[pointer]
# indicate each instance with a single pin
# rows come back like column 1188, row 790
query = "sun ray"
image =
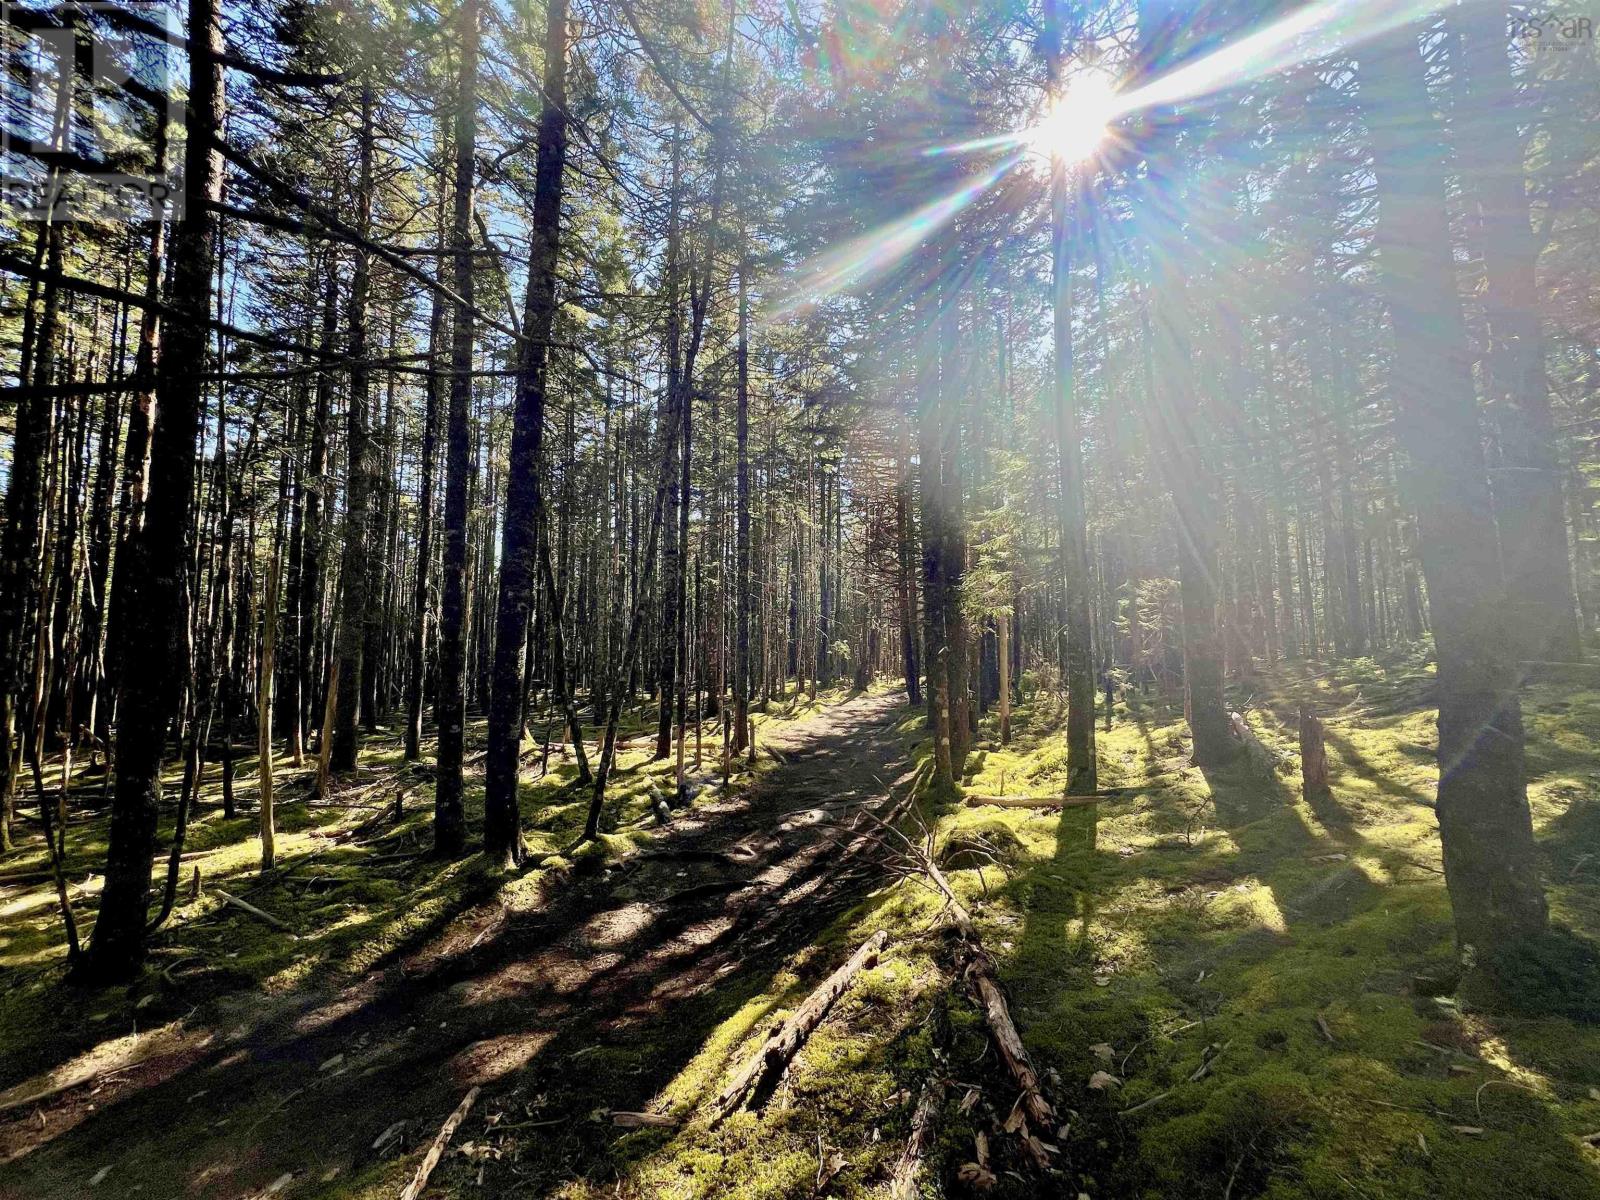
column 1077, row 122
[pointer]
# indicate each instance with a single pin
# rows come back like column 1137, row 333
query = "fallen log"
column 785, row 1041
column 245, row 906
column 924, row 1128
column 436, row 1151
column 978, row 968
column 1081, row 800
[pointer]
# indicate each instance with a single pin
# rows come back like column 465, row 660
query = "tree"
column 502, row 836
column 152, row 680
column 449, row 814
column 1484, row 825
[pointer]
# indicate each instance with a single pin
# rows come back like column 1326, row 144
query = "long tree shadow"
column 595, row 1001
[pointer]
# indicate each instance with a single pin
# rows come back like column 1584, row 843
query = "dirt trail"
column 597, row 999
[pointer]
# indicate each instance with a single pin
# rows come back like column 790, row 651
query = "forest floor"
column 1228, row 993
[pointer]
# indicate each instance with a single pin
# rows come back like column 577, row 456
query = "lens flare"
column 1078, row 120
column 1081, row 119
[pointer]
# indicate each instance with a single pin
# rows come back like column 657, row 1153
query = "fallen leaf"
column 831, row 1166
column 1101, row 1080
column 979, row 1179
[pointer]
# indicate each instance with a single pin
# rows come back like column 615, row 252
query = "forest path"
column 596, row 999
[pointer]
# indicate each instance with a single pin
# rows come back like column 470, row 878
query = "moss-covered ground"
column 354, row 880
column 1228, row 993
column 1268, row 988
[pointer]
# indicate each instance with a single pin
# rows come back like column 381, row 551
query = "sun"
column 1078, row 121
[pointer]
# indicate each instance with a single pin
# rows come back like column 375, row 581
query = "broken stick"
column 436, row 1151
column 979, row 971
column 785, row 1041
column 1039, row 802
column 924, row 1127
column 259, row 914
column 642, row 1120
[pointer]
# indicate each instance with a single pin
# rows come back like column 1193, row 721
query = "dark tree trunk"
column 416, row 677
column 318, row 488
column 156, row 654
column 449, row 815
column 1081, row 770
column 519, row 547
column 136, row 446
column 936, row 648
column 671, row 566
column 355, row 570
column 741, row 659
column 1313, row 762
column 19, row 573
column 906, row 580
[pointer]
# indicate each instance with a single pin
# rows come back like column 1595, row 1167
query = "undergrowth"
column 1270, row 988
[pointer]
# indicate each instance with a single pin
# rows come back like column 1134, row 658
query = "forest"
column 827, row 598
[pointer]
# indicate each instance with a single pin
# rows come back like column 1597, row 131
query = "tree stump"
column 1313, row 760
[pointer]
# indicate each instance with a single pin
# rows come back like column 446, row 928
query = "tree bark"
column 19, row 575
column 361, row 479
column 449, row 815
column 416, row 677
column 519, row 546
column 1491, row 867
column 1529, row 510
column 741, row 658
column 153, row 662
column 1081, row 770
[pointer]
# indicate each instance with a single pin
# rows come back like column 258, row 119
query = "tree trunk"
column 153, row 662
column 519, row 547
column 19, row 578
column 416, row 677
column 449, row 816
column 1529, row 511
column 1313, row 761
column 1004, row 634
column 906, row 580
column 936, row 650
column 361, row 479
column 741, row 658
column 1491, row 867
column 1081, row 770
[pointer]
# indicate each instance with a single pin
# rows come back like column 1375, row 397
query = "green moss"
column 1304, row 958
